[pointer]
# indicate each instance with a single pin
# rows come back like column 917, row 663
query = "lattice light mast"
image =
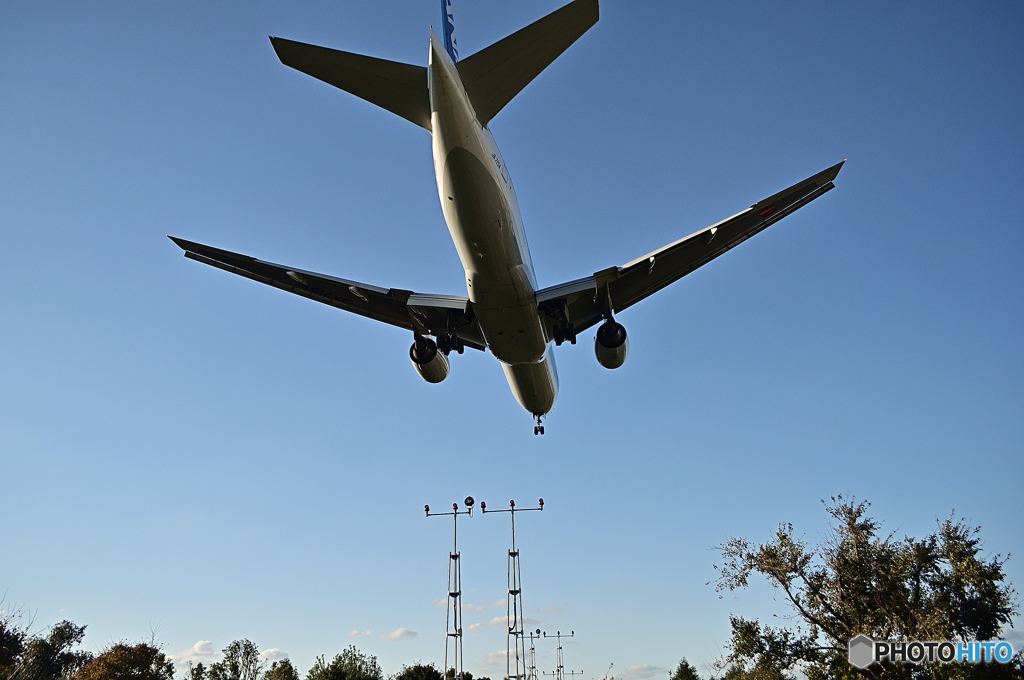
column 559, row 666
column 515, row 644
column 531, row 672
column 453, row 615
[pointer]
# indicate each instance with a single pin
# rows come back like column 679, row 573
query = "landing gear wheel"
column 536, row 430
column 541, row 428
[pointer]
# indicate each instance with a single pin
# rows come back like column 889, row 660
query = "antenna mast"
column 559, row 667
column 515, row 645
column 453, row 615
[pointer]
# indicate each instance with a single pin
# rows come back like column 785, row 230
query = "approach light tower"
column 559, row 667
column 515, row 645
column 531, row 671
column 453, row 615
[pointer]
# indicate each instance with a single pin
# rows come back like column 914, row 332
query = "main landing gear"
column 538, row 428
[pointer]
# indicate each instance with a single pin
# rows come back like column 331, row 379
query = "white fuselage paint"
column 482, row 213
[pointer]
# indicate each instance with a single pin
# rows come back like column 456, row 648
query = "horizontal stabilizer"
column 399, row 88
column 496, row 74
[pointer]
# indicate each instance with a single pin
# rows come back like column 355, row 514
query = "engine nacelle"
column 611, row 345
column 431, row 364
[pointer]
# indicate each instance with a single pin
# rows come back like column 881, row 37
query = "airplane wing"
column 583, row 302
column 436, row 315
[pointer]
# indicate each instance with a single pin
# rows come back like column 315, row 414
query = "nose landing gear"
column 538, row 428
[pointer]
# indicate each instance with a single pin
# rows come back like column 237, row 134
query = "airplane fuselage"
column 482, row 213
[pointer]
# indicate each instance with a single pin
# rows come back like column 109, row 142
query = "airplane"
column 504, row 311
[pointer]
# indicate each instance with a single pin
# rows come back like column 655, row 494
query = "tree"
column 48, row 657
column 241, row 662
column 141, row 661
column 684, row 671
column 858, row 582
column 418, row 671
column 281, row 670
column 196, row 672
column 13, row 634
column 351, row 664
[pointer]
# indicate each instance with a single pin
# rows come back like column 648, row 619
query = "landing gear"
column 565, row 332
column 538, row 428
column 447, row 343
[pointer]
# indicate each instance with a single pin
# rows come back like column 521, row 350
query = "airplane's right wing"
column 584, row 302
column 437, row 315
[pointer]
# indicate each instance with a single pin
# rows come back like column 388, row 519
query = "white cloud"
column 399, row 634
column 474, row 626
column 200, row 652
column 273, row 654
column 493, row 660
column 360, row 633
column 503, row 621
column 474, row 607
column 643, row 672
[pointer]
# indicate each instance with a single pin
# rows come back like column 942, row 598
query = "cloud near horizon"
column 273, row 654
column 200, row 652
column 643, row 671
column 492, row 660
column 503, row 621
column 399, row 634
column 360, row 633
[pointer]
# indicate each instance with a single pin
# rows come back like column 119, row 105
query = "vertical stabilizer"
column 449, row 30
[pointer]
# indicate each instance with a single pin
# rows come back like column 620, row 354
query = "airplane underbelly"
column 481, row 222
column 535, row 386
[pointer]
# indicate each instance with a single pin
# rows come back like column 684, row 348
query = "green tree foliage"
column 351, row 664
column 241, row 662
column 684, row 671
column 281, row 670
column 42, row 657
column 121, row 661
column 857, row 581
column 196, row 672
column 418, row 671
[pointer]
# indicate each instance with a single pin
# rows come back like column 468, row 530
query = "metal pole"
column 453, row 611
column 515, row 644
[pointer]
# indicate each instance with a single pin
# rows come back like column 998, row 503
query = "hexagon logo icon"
column 861, row 651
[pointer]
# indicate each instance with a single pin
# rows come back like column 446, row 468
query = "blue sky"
column 190, row 451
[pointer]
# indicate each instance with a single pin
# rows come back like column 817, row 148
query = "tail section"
column 496, row 74
column 492, row 76
column 449, row 30
column 399, row 88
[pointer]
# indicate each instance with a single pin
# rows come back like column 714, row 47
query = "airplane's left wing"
column 586, row 301
column 437, row 315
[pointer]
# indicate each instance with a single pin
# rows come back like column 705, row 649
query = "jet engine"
column 611, row 345
column 431, row 364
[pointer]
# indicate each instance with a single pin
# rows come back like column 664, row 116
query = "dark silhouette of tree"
column 858, row 582
column 241, row 662
column 351, row 664
column 418, row 671
column 45, row 657
column 684, row 671
column 196, row 672
column 121, row 661
column 281, row 670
